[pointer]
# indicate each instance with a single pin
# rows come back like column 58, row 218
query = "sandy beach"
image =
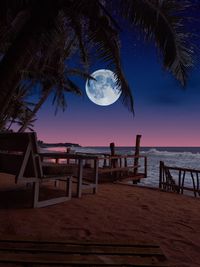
column 117, row 213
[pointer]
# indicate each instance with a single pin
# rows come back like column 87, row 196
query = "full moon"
column 104, row 90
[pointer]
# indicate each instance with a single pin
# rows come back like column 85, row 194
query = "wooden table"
column 80, row 158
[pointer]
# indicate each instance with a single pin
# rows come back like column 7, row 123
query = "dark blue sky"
column 165, row 113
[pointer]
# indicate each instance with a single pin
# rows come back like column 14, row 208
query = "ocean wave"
column 156, row 152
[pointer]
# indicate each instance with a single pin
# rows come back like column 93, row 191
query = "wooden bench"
column 20, row 157
column 52, row 253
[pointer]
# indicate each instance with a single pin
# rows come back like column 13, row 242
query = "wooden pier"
column 116, row 167
column 111, row 167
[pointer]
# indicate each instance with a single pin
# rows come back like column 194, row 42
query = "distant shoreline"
column 46, row 145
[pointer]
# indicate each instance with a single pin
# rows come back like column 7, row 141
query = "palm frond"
column 72, row 87
column 78, row 29
column 163, row 22
column 106, row 40
column 59, row 99
column 78, row 72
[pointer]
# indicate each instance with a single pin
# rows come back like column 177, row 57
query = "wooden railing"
column 121, row 162
column 173, row 179
column 113, row 164
column 119, row 166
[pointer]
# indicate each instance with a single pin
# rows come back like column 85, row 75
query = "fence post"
column 161, row 174
column 145, row 166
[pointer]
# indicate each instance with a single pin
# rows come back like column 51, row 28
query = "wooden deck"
column 120, row 167
column 110, row 168
column 52, row 253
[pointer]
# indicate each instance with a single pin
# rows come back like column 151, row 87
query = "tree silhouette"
column 28, row 28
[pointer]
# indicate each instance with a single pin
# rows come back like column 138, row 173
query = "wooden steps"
column 48, row 253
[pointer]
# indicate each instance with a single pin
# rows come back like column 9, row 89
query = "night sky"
column 165, row 113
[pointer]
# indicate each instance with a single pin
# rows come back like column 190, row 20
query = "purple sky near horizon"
column 165, row 113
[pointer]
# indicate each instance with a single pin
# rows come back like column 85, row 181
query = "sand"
column 115, row 213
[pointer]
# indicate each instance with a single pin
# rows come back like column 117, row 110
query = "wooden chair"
column 19, row 156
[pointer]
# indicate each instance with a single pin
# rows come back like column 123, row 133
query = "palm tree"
column 33, row 21
column 21, row 120
column 58, row 85
column 19, row 109
column 33, row 30
column 54, row 75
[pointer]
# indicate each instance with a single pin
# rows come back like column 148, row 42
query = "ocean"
column 188, row 157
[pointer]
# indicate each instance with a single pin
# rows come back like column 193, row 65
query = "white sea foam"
column 166, row 153
column 186, row 159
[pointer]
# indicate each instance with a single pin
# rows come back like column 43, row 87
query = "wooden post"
column 113, row 162
column 68, row 151
column 145, row 167
column 161, row 174
column 80, row 178
column 112, row 149
column 105, row 162
column 112, row 152
column 125, row 162
column 137, row 153
column 96, row 166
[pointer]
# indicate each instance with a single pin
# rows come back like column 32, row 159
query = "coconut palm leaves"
column 164, row 22
column 19, row 110
column 30, row 33
column 29, row 28
column 102, row 35
column 54, row 77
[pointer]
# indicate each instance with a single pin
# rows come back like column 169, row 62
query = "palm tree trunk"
column 46, row 93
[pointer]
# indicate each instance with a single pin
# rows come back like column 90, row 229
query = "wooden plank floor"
column 46, row 253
